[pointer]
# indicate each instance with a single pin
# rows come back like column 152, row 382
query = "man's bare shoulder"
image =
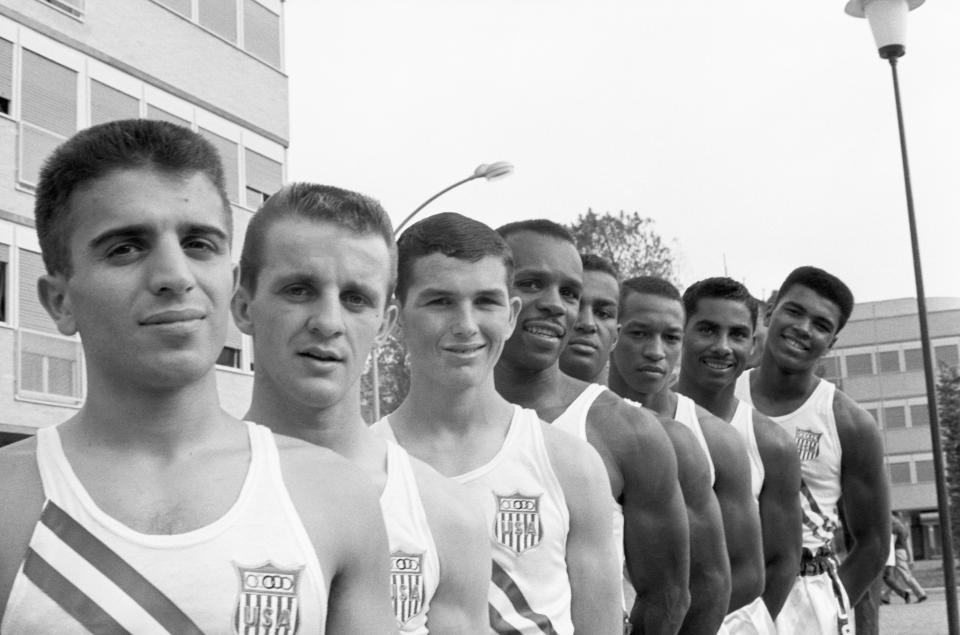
column 691, row 459
column 849, row 414
column 20, row 490
column 19, row 475
column 451, row 508
column 772, row 439
column 724, row 442
column 623, row 424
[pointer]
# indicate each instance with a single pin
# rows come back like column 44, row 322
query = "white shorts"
column 817, row 605
column 752, row 619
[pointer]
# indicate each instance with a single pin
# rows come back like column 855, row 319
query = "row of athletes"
column 464, row 511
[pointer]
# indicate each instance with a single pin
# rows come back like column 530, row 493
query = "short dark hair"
column 651, row 285
column 452, row 235
column 720, row 288
column 348, row 210
column 95, row 152
column 823, row 284
column 593, row 262
column 538, row 226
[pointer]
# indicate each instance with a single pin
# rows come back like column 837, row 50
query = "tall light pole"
column 488, row 171
column 888, row 21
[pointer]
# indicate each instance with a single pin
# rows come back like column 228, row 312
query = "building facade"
column 878, row 361
column 213, row 65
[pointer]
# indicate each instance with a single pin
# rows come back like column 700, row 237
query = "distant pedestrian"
column 890, row 577
column 904, row 558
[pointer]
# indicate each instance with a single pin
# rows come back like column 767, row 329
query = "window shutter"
column 108, row 104
column 220, row 16
column 263, row 174
column 35, row 146
column 158, row 113
column 261, row 32
column 32, row 314
column 180, row 6
column 49, row 94
column 229, row 155
column 6, row 73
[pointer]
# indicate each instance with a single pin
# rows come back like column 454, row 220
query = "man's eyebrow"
column 202, row 228
column 126, row 231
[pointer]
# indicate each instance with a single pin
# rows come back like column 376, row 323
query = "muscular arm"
column 591, row 560
column 20, row 490
column 656, row 534
column 456, row 519
column 340, row 510
column 709, row 564
column 864, row 496
column 741, row 520
column 780, row 515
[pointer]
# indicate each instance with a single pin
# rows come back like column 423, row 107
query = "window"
column 220, row 16
column 230, row 156
column 49, row 111
column 4, row 267
column 900, row 473
column 925, row 471
column 261, row 32
column 49, row 367
column 6, row 76
column 861, row 364
column 108, row 104
column 947, row 355
column 888, row 361
column 264, row 177
column 913, row 359
column 159, row 113
column 919, row 415
column 180, row 6
column 894, row 417
column 873, row 412
column 829, row 368
column 32, row 314
column 229, row 356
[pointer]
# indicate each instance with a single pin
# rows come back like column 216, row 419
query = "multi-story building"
column 213, row 65
column 878, row 361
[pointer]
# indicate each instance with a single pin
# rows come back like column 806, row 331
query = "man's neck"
column 433, row 408
column 530, row 388
column 773, row 382
column 664, row 402
column 721, row 403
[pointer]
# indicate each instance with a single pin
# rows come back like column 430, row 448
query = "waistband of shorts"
column 822, row 561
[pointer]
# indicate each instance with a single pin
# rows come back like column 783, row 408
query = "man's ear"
column 390, row 319
column 55, row 298
column 515, row 305
column 240, row 308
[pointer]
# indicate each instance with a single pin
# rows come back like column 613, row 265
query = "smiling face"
column 548, row 279
column 151, row 278
column 319, row 305
column 456, row 318
column 651, row 333
column 802, row 327
column 595, row 330
column 717, row 342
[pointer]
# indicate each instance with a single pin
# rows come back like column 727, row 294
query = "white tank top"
column 687, row 415
column 814, row 428
column 574, row 421
column 253, row 570
column 528, row 520
column 742, row 422
column 414, row 565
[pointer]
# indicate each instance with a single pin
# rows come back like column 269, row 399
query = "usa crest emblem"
column 406, row 585
column 268, row 602
column 808, row 444
column 518, row 524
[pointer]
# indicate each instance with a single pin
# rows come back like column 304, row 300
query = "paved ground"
column 926, row 618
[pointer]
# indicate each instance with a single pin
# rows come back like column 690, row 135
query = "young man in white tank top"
column 718, row 337
column 586, row 357
column 646, row 357
column 839, row 446
column 317, row 273
column 543, row 492
column 152, row 510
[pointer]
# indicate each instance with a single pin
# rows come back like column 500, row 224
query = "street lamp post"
column 888, row 21
column 488, row 171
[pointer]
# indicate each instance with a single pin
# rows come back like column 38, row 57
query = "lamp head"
column 888, row 21
column 491, row 171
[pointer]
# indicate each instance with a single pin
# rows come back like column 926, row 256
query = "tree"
column 394, row 379
column 948, row 402
column 629, row 241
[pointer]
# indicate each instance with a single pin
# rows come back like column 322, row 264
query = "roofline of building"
column 139, row 74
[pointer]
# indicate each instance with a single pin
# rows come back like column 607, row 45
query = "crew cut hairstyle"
column 453, row 235
column 593, row 262
column 95, row 152
column 348, row 210
column 651, row 285
column 823, row 284
column 720, row 288
column 538, row 226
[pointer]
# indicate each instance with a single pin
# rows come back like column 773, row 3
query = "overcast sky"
column 758, row 133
